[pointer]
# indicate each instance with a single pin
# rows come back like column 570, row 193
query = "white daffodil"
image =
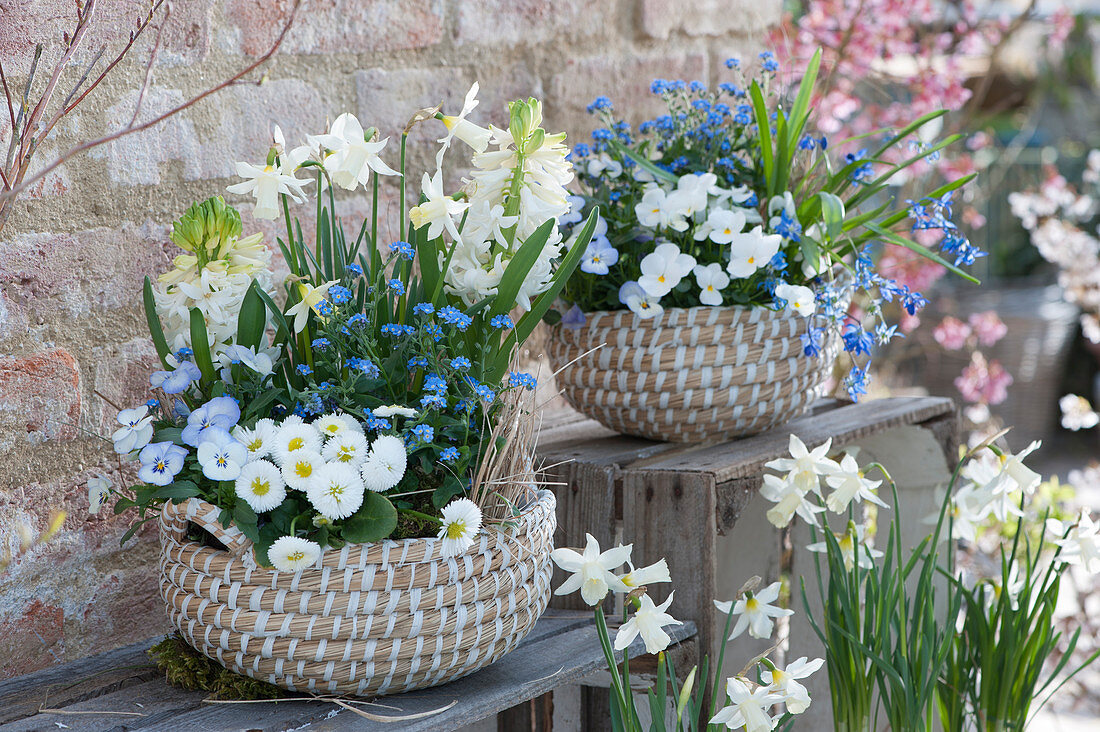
column 259, row 440
column 99, row 489
column 849, row 541
column 352, row 157
column 293, row 554
column 393, row 410
column 461, row 522
column 789, row 500
column 649, row 622
column 335, row 490
column 465, row 130
column 385, row 464
column 439, row 211
column 309, row 297
column 711, row 280
column 220, row 455
column 784, row 683
column 805, row 468
column 1013, row 466
column 724, row 226
column 797, row 298
column 346, row 447
column 755, row 612
column 292, row 437
column 663, row 268
column 656, row 572
column 261, row 486
column 967, row 511
column 300, row 467
column 748, row 707
column 266, row 184
column 592, row 570
column 1077, row 413
column 751, row 250
column 135, row 432
column 1080, row 541
column 992, row 485
column 848, row 484
column 640, row 302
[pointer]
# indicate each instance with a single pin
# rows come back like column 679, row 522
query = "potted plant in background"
column 331, row 474
column 714, row 296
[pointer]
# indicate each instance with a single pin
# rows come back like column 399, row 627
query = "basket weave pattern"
column 368, row 619
column 691, row 374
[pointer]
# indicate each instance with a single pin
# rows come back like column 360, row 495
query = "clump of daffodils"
column 213, row 275
column 748, row 702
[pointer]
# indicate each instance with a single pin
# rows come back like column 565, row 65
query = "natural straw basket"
column 369, row 618
column 690, row 374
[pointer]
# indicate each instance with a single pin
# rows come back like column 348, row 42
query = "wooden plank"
column 586, row 504
column 154, row 701
column 534, row 715
column 846, row 424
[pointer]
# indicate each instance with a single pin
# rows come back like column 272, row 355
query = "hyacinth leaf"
column 156, row 332
column 427, row 254
column 250, row 319
column 782, row 153
column 760, row 111
column 375, row 520
column 518, row 267
column 920, row 249
column 832, row 212
column 800, row 110
column 200, row 346
column 642, row 162
column 283, row 331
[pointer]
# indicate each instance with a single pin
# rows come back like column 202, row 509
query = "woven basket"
column 690, row 374
column 368, row 619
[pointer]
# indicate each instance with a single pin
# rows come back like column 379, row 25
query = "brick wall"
column 74, row 252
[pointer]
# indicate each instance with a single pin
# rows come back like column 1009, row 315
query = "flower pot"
column 366, row 619
column 690, row 374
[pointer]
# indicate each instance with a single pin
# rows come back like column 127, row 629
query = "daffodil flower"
column 784, row 683
column 458, row 126
column 649, row 622
column 266, row 184
column 311, row 297
column 755, row 612
column 748, row 707
column 849, row 541
column 352, row 158
column 592, row 570
column 1080, row 541
column 849, row 484
column 439, row 210
column 656, row 572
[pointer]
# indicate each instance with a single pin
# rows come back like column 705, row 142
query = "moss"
column 186, row 668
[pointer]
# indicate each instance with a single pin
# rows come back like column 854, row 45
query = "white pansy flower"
column 652, row 211
column 293, row 437
column 749, row 251
column 696, row 188
column 266, row 184
column 724, row 226
column 798, row 298
column 748, row 707
column 755, row 612
column 352, row 158
column 461, row 522
column 591, row 570
column 663, row 268
column 259, row 440
column 711, row 280
column 136, row 430
column 221, row 456
column 1077, row 413
column 261, row 486
column 301, row 467
column 848, row 484
column 639, row 301
column 438, row 211
column 385, row 464
column 648, row 621
column 293, row 554
column 335, row 490
column 99, row 488
column 784, row 683
column 604, row 164
column 346, row 447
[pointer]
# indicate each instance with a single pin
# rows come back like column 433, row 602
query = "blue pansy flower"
column 176, row 381
column 599, row 256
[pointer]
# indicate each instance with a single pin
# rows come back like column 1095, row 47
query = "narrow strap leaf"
column 156, row 331
column 200, row 346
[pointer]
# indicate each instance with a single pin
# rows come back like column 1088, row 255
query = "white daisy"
column 346, row 447
column 259, row 441
column 292, row 438
column 300, row 467
column 385, row 465
column 261, row 486
column 291, row 419
column 336, row 490
column 461, row 522
column 330, row 425
column 293, row 554
column 352, row 423
column 394, row 410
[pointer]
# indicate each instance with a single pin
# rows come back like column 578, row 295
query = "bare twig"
column 149, row 66
column 7, row 96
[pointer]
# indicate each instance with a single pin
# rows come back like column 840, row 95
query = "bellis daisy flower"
column 293, row 554
column 461, row 522
column 261, row 486
column 385, row 464
column 336, row 490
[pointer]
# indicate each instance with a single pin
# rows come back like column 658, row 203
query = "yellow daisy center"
column 256, row 444
column 260, row 487
column 345, row 454
column 303, row 469
column 456, row 529
column 296, row 556
column 296, row 444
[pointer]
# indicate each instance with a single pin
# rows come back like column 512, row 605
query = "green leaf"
column 169, row 434
column 178, row 491
column 251, row 318
column 283, row 332
column 764, row 130
column 800, row 110
column 156, row 332
column 643, row 162
column 375, row 520
column 521, row 263
column 201, row 346
column 832, row 212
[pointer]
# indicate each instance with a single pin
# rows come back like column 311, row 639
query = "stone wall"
column 74, row 252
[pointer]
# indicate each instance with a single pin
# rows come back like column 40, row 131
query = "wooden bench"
column 123, row 690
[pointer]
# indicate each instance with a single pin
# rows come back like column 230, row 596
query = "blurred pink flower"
column 984, row 382
column 988, row 327
column 951, row 333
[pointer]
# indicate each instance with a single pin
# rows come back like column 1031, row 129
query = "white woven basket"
column 368, row 619
column 690, row 374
